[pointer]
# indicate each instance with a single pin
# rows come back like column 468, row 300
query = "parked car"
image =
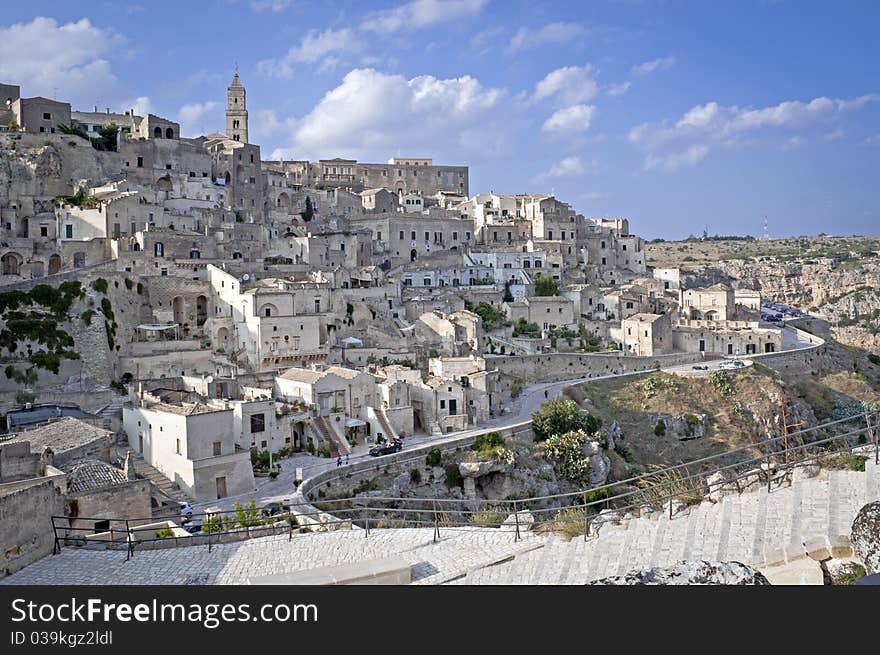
column 698, row 367
column 731, row 363
column 186, row 511
column 193, row 527
column 385, row 448
column 273, row 508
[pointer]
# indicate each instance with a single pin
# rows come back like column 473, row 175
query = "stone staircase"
column 757, row 528
column 114, row 409
column 390, row 432
column 161, row 486
column 338, row 446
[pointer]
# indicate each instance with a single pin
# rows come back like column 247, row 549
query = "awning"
column 158, row 327
column 352, row 341
column 354, row 423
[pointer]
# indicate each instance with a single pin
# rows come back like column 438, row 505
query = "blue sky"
column 679, row 115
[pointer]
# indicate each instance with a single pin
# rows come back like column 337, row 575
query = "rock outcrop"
column 865, row 536
column 698, row 572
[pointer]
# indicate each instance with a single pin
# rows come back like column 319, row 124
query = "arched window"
column 194, row 254
column 169, row 133
column 157, row 133
column 159, row 249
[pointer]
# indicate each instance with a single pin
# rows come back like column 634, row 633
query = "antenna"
column 766, row 229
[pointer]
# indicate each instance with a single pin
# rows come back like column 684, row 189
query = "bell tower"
column 236, row 110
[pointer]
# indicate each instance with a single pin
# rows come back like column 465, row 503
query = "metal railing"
column 573, row 513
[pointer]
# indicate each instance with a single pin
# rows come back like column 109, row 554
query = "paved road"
column 282, row 487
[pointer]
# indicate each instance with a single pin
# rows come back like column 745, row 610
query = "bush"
column 660, row 428
column 86, row 316
column 273, row 474
column 415, row 476
column 128, row 284
column 565, row 450
column 164, row 533
column 488, row 441
column 546, row 286
column 720, row 383
column 453, row 475
column 100, row 285
column 433, row 458
column 560, row 416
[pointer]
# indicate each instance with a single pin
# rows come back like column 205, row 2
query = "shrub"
column 433, row 458
column 86, row 316
column 164, row 533
column 720, row 383
column 453, row 475
column 559, row 416
column 23, row 397
column 546, row 286
column 100, row 285
column 488, row 441
column 565, row 450
column 487, row 519
column 415, row 476
column 273, row 474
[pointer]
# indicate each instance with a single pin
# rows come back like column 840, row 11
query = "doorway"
column 221, row 487
column 453, row 405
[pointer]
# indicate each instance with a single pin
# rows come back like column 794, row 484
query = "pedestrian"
column 339, row 461
column 546, row 392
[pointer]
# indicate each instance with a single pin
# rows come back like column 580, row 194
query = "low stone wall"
column 312, row 518
column 25, row 525
column 553, row 367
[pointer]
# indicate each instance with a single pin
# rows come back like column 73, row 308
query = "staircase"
column 757, row 528
column 160, row 486
column 431, row 426
column 112, row 410
column 338, row 445
column 390, row 433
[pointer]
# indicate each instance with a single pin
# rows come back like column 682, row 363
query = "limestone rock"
column 865, row 536
column 600, row 467
column 698, row 572
column 523, row 517
column 720, row 485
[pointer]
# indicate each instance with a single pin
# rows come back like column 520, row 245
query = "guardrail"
column 580, row 512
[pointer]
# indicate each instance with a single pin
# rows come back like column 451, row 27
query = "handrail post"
column 586, row 517
column 128, row 540
column 516, row 519
column 436, row 523
column 56, row 548
column 768, row 467
column 367, row 524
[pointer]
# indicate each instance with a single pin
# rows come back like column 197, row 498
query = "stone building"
column 646, row 335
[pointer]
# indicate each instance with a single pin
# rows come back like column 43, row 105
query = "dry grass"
column 568, row 522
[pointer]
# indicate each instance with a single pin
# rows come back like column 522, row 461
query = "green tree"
column 309, row 212
column 560, row 416
column 546, row 286
column 108, row 138
column 12, row 126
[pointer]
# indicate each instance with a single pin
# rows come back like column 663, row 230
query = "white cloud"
column 570, row 85
column 654, row 65
column 873, row 140
column 192, row 116
column 270, row 5
column 313, row 47
column 372, row 113
column 676, row 160
column 712, row 124
column 570, row 120
column 43, row 56
column 569, row 167
column 618, row 89
column 418, row 14
column 142, row 106
column 528, row 37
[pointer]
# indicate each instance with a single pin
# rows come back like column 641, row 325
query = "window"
column 68, row 231
column 217, row 448
column 550, row 235
column 442, row 404
column 455, row 236
column 140, row 164
column 177, row 446
column 47, row 116
column 258, row 423
column 44, row 231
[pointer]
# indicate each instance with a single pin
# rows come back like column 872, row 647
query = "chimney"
column 128, row 467
column 96, row 109
column 108, row 110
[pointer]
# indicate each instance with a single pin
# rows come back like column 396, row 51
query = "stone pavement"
column 754, row 528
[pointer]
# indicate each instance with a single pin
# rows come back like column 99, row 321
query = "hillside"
column 759, row 401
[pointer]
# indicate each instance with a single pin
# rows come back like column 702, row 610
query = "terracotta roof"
column 62, row 435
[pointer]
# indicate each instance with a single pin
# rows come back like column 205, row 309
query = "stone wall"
column 553, row 367
column 26, row 533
